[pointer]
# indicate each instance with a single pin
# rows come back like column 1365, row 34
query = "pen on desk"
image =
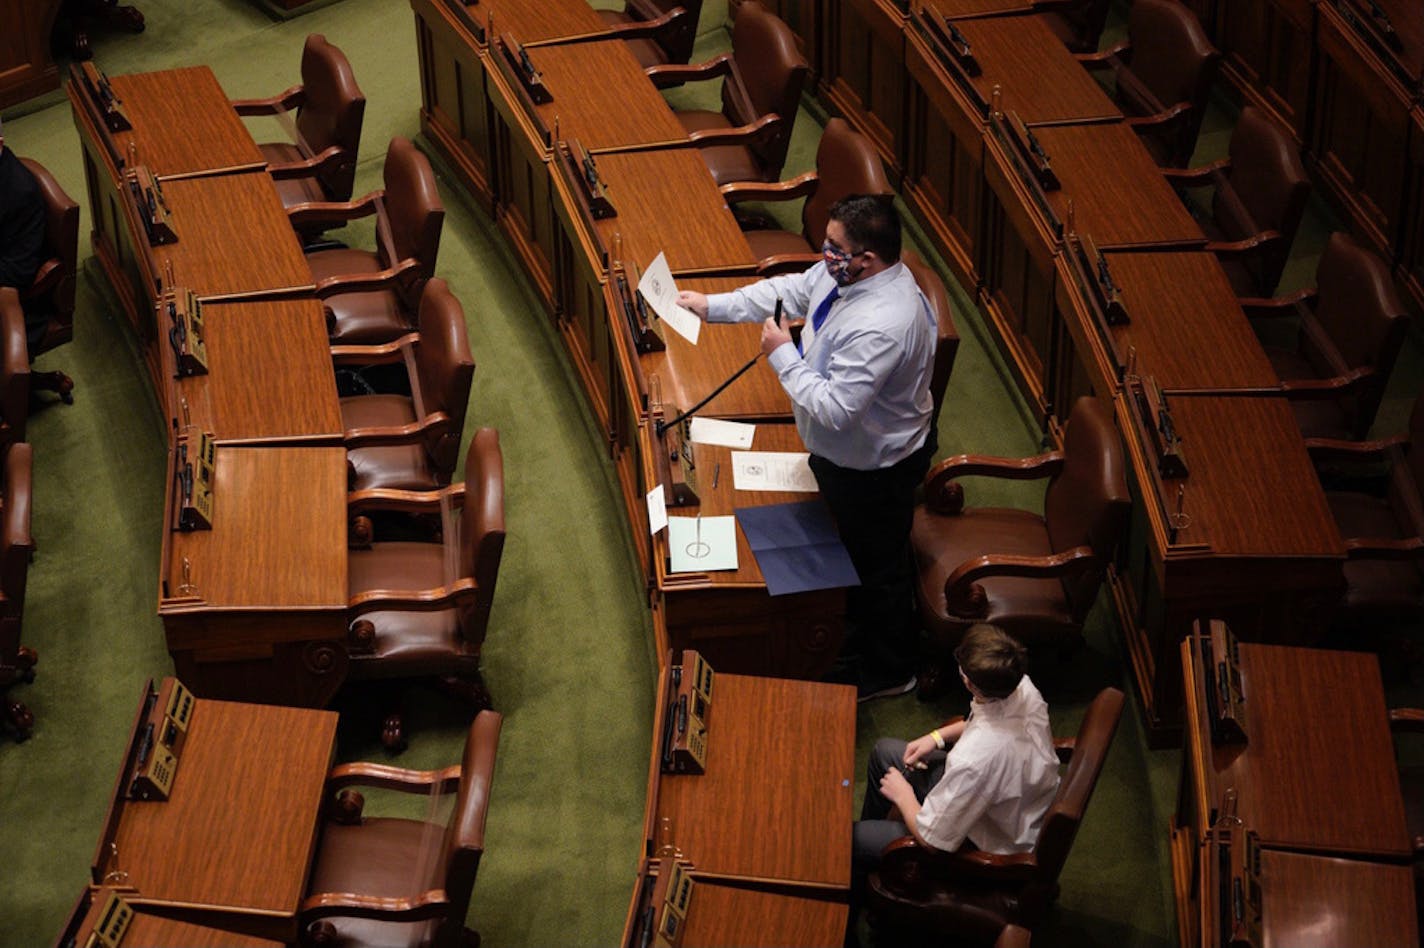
column 699, row 527
column 716, row 473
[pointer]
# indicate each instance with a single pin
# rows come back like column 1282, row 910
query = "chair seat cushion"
column 391, row 858
column 771, row 243
column 1376, row 590
column 292, row 191
column 728, row 163
column 975, row 913
column 376, row 411
column 402, row 565
column 1033, row 610
column 409, row 644
column 370, row 317
column 393, row 467
column 1317, row 417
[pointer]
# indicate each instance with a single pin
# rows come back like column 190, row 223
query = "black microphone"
column 663, row 426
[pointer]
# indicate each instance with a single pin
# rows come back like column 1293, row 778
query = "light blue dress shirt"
column 861, row 391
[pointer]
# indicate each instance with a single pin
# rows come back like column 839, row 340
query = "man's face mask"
column 837, row 263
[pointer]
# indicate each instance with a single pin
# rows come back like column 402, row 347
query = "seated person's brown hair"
column 992, row 660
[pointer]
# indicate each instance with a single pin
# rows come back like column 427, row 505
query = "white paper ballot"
column 772, row 470
column 659, row 289
column 732, row 434
column 702, row 544
column 657, row 510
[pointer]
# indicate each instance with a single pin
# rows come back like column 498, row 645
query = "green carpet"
column 568, row 658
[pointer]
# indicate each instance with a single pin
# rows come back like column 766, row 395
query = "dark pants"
column 874, row 510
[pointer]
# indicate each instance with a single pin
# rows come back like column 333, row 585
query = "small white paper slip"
column 660, row 290
column 657, row 510
column 773, row 470
column 732, row 434
column 702, row 544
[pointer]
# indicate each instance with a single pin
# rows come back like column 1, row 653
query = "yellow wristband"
column 939, row 741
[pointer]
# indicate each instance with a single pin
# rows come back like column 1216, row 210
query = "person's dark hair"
column 991, row 659
column 871, row 223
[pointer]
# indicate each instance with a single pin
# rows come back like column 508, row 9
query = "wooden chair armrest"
column 674, row 73
column 1332, row 387
column 965, row 597
column 1384, row 548
column 412, row 600
column 1406, row 720
column 306, row 167
column 47, row 277
column 905, row 857
column 648, row 28
column 735, row 136
column 430, row 904
column 367, row 282
column 1106, row 58
column 388, row 435
column 944, row 496
column 1169, row 114
column 404, row 501
column 284, row 101
column 379, row 354
column 1262, row 307
column 803, row 185
column 1337, row 449
column 1196, row 177
column 779, row 263
column 331, row 213
column 386, row 777
column 1244, row 248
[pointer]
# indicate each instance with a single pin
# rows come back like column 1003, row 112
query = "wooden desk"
column 26, row 67
column 269, row 378
column 1267, row 52
column 183, row 124
column 1261, row 549
column 536, row 22
column 863, row 71
column 965, row 9
column 1179, row 305
column 769, row 810
column 233, row 844
column 267, row 620
column 727, row 615
column 148, row 930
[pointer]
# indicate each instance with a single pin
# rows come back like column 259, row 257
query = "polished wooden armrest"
column 335, row 212
column 284, row 101
column 388, row 435
column 308, row 166
column 672, row 73
column 739, row 135
column 1384, row 548
column 1332, row 387
column 47, row 277
column 388, row 278
column 386, row 777
column 1196, row 177
column 943, row 495
column 413, row 600
column 905, row 859
column 803, row 185
column 1406, row 720
column 1336, row 449
column 1266, row 307
column 1108, row 58
column 648, row 27
column 965, row 597
column 404, row 501
column 377, row 354
column 429, row 904
column 1245, row 247
column 1169, row 114
column 779, row 263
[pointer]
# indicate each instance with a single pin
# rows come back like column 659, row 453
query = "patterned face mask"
column 837, row 263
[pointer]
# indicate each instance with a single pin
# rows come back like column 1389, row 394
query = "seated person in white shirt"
column 987, row 781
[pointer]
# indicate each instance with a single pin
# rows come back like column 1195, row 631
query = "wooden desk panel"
column 1266, row 52
column 234, row 842
column 964, row 9
column 453, row 102
column 183, row 124
column 27, row 68
column 1315, row 902
column 540, row 21
column 863, row 72
column 584, row 78
column 766, row 809
column 722, row 915
column 269, row 379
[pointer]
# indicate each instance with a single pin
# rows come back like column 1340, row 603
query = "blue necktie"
column 822, row 310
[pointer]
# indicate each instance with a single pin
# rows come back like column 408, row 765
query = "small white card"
column 702, row 544
column 657, row 510
column 773, row 470
column 732, row 434
column 660, row 290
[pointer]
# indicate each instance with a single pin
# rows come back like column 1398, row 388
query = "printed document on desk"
column 773, row 470
column 660, row 290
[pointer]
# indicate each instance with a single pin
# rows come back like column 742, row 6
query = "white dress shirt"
column 861, row 391
column 999, row 778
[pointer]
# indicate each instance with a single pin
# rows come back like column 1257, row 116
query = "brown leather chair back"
column 676, row 44
column 482, row 526
column 465, row 836
column 947, row 341
column 1416, row 463
column 14, row 368
column 1360, row 311
column 54, row 284
column 1172, row 62
column 846, row 164
column 1065, row 814
column 16, row 542
column 773, row 70
column 331, row 113
column 1079, row 24
column 1268, row 191
column 445, row 368
column 413, row 206
column 1087, row 503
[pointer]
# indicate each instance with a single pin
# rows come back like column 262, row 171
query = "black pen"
column 716, row 473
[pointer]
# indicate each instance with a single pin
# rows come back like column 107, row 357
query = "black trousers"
column 874, row 510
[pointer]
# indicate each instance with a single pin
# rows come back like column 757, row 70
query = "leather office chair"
column 1351, row 328
column 761, row 91
column 846, row 164
column 974, row 894
column 17, row 547
column 412, row 442
column 370, row 295
column 657, row 32
column 1383, row 527
column 947, row 337
column 1035, row 576
column 1078, row 23
column 320, row 164
column 52, row 292
column 420, row 609
column 14, row 369
column 1162, row 75
column 1261, row 192
column 380, row 881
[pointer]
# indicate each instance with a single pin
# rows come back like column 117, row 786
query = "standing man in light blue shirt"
column 860, row 389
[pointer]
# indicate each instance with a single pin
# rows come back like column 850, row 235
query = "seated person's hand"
column 694, row 301
column 895, row 788
column 917, row 749
column 773, row 336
